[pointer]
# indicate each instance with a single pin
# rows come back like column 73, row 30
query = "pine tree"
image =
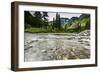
column 53, row 23
column 58, row 23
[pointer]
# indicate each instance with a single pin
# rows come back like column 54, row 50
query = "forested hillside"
column 76, row 24
column 38, row 23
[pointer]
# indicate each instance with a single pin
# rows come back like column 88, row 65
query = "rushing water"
column 44, row 47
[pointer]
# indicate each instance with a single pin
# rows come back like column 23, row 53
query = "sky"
column 62, row 15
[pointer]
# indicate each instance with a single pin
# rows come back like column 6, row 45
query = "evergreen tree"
column 28, row 19
column 38, row 18
column 58, row 24
column 41, row 19
column 44, row 16
column 53, row 23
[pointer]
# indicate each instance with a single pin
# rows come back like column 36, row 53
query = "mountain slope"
column 78, row 24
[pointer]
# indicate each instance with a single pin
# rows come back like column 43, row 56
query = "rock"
column 43, row 51
column 84, row 33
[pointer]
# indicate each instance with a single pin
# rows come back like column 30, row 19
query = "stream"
column 51, row 46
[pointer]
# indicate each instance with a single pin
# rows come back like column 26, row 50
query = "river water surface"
column 45, row 46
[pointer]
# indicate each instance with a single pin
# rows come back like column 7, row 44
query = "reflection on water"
column 44, row 47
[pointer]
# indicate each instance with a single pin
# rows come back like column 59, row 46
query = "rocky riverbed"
column 56, row 46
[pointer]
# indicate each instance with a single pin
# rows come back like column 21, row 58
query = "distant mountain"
column 71, row 20
column 63, row 21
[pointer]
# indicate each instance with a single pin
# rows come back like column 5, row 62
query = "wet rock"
column 84, row 33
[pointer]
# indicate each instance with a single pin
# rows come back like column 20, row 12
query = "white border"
column 23, row 64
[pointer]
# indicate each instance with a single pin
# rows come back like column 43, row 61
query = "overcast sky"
column 62, row 14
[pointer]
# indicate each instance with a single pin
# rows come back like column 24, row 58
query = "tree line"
column 40, row 20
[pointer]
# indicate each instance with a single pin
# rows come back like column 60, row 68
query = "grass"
column 43, row 30
column 37, row 30
column 49, row 30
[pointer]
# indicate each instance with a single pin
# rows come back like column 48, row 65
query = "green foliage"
column 28, row 19
column 37, row 20
column 38, row 23
column 27, row 26
column 37, row 30
column 78, row 24
column 57, row 22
